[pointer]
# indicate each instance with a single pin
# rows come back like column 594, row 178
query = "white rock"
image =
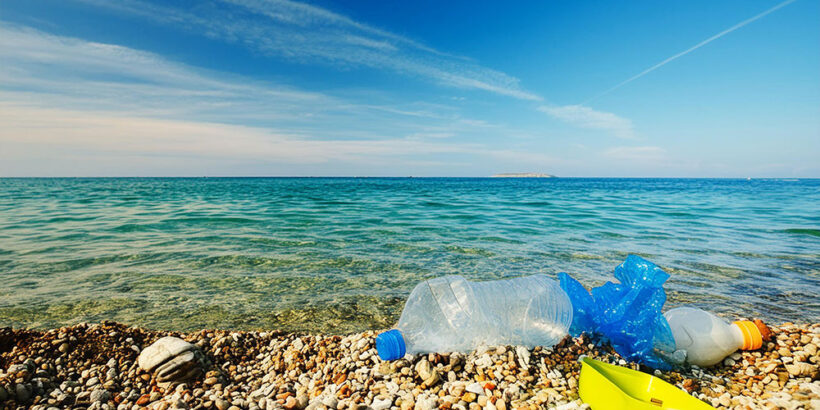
column 161, row 351
column 475, row 388
column 381, row 404
column 100, row 395
column 425, row 404
column 523, row 356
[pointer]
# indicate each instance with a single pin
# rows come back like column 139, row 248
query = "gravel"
column 95, row 366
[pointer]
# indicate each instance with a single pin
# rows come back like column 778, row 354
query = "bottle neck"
column 749, row 335
column 737, row 336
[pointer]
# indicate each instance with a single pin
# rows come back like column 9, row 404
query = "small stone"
column 331, row 402
column 291, row 403
column 302, row 401
column 729, row 362
column 425, row 404
column 143, row 400
column 469, row 397
column 210, row 381
column 384, row 368
column 100, row 395
column 725, row 400
column 475, row 388
column 92, row 382
column 22, row 393
column 426, row 373
column 802, row 369
column 221, row 404
column 381, row 404
column 523, row 356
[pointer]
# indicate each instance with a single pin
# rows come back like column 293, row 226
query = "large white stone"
column 161, row 351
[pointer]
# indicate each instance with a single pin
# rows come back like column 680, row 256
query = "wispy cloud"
column 48, row 70
column 101, row 131
column 111, row 143
column 648, row 154
column 65, row 101
column 311, row 34
column 586, row 117
column 691, row 49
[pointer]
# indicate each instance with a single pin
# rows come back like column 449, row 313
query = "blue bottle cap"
column 390, row 345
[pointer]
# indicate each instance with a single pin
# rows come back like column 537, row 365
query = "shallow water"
column 341, row 254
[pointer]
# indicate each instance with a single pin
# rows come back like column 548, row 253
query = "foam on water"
column 340, row 254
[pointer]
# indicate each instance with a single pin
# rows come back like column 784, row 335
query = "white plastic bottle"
column 450, row 314
column 707, row 339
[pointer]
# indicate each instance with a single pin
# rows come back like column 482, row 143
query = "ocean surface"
column 338, row 255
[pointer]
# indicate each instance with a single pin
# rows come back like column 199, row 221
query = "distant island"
column 523, row 175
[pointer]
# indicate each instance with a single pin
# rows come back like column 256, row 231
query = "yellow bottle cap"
column 752, row 338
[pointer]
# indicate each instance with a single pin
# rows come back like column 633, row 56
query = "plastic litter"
column 707, row 339
column 606, row 386
column 627, row 314
column 452, row 314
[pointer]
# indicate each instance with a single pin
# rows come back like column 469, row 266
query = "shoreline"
column 95, row 366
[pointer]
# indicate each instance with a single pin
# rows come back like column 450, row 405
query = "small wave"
column 213, row 220
column 500, row 239
column 803, row 231
column 469, row 251
column 132, row 227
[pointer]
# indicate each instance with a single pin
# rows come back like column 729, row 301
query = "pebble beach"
column 95, row 366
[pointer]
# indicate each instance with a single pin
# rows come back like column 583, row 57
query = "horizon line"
column 388, row 176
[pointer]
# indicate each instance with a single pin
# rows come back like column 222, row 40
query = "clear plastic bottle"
column 452, row 314
column 707, row 339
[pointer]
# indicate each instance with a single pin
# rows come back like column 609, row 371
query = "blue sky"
column 423, row 88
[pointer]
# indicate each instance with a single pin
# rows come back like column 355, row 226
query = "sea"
column 340, row 255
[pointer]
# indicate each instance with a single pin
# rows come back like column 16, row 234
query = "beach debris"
column 626, row 314
column 450, row 313
column 707, row 339
column 171, row 359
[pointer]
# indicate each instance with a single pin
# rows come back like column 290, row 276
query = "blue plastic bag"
column 626, row 314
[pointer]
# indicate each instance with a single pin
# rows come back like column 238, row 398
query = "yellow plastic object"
column 608, row 387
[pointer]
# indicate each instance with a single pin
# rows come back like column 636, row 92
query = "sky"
column 680, row 88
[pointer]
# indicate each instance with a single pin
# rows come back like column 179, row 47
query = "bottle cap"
column 752, row 338
column 390, row 345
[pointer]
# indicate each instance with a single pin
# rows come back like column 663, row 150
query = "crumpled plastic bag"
column 626, row 314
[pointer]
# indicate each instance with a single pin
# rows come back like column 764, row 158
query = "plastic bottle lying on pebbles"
column 449, row 314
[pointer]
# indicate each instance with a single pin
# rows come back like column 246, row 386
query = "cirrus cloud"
column 586, row 117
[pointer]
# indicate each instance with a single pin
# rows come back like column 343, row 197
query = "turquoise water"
column 341, row 254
